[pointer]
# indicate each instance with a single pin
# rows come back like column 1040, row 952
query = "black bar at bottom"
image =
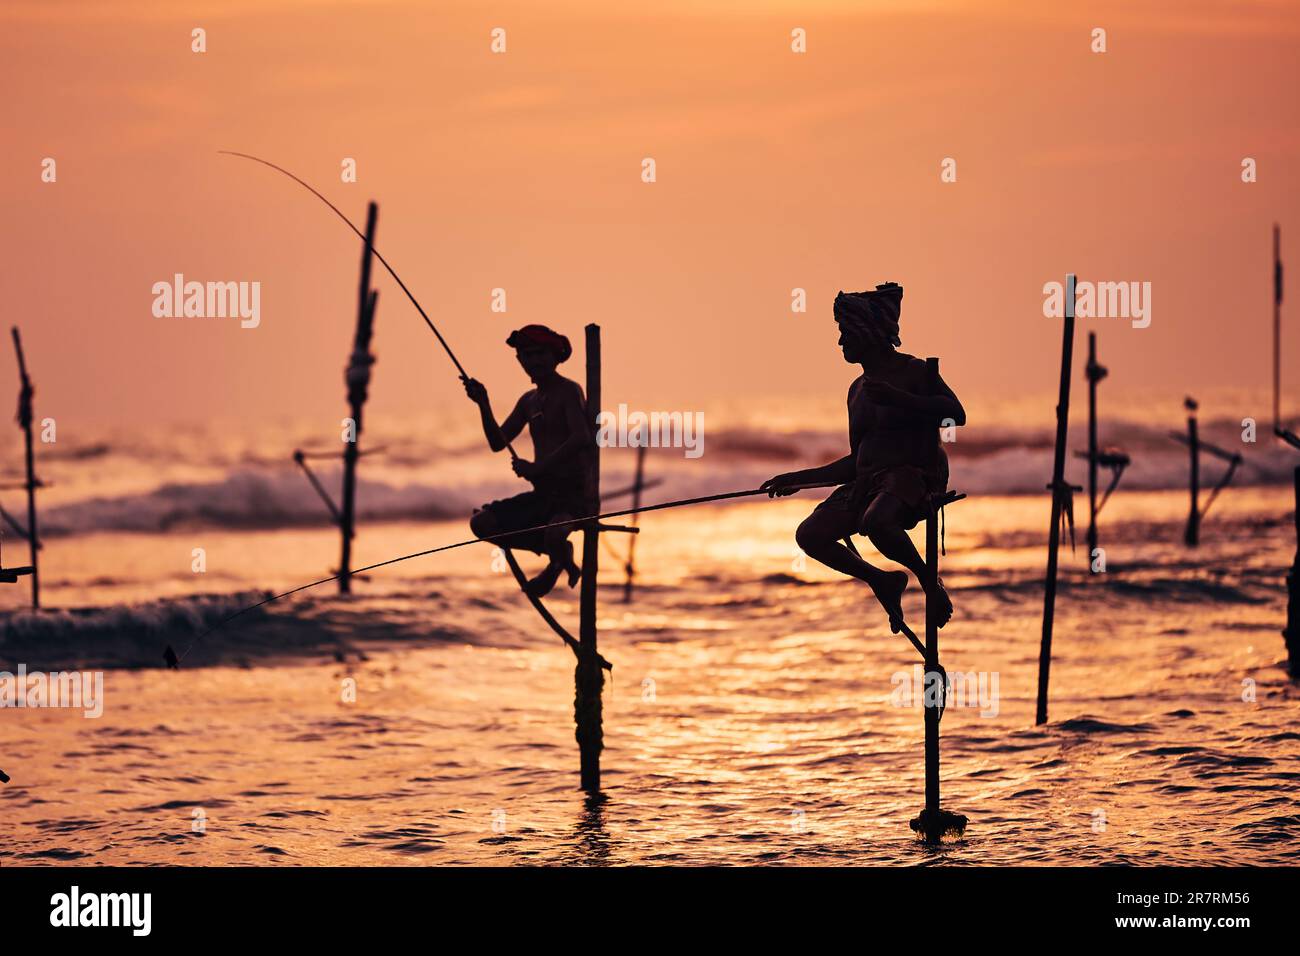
column 957, row 904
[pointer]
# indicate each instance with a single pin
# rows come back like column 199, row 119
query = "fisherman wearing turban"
column 895, row 461
column 563, row 438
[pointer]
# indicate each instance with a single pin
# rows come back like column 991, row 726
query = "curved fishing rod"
column 382, row 261
column 170, row 655
column 396, row 278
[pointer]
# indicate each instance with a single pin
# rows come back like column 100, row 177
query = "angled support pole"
column 301, row 460
column 17, row 528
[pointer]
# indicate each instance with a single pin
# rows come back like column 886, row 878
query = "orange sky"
column 775, row 170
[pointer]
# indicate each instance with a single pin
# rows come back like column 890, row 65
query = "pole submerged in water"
column 1277, row 328
column 1291, row 634
column 932, row 707
column 629, row 569
column 1095, row 373
column 357, row 376
column 25, row 418
column 588, row 677
column 1061, row 493
column 932, row 644
column 933, row 822
column 1192, row 534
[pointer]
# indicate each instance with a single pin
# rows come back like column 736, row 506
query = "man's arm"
column 498, row 436
column 840, row 471
column 943, row 404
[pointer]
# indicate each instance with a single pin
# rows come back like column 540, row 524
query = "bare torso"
column 548, row 410
column 883, row 436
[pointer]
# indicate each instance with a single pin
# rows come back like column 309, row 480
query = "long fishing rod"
column 172, row 659
column 427, row 321
column 384, row 262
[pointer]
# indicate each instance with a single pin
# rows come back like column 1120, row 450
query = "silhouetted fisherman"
column 895, row 462
column 563, row 441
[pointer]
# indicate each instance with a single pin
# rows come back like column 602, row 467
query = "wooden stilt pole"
column 588, row 677
column 1095, row 374
column 357, row 375
column 630, row 568
column 1277, row 328
column 1060, row 494
column 933, row 822
column 1192, row 535
column 932, row 673
column 1292, row 632
column 25, row 418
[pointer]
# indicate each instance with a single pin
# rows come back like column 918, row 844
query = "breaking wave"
column 417, row 482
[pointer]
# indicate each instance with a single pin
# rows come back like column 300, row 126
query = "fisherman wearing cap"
column 895, row 460
column 560, row 472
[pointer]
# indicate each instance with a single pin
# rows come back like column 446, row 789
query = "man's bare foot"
column 942, row 603
column 565, row 559
column 542, row 585
column 889, row 592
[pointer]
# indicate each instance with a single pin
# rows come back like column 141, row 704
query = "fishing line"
column 174, row 660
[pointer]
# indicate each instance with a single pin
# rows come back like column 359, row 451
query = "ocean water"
column 756, row 712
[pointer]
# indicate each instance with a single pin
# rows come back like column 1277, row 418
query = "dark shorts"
column 530, row 509
column 907, row 483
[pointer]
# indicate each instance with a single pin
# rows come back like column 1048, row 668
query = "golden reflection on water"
column 750, row 717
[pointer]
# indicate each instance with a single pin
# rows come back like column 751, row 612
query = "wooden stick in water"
column 1059, row 491
column 358, row 382
column 933, row 822
column 1277, row 328
column 25, row 420
column 637, row 484
column 932, row 672
column 588, row 677
column 1192, row 534
column 1095, row 373
column 1292, row 632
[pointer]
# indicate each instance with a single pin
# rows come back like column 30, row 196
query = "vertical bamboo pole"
column 1192, row 536
column 588, row 678
column 357, row 376
column 1094, row 374
column 932, row 672
column 630, row 568
column 25, row 417
column 1292, row 632
column 1277, row 327
column 1059, row 491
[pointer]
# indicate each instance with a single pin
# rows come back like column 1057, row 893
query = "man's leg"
column 500, row 518
column 484, row 523
column 883, row 524
column 819, row 537
column 559, row 551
